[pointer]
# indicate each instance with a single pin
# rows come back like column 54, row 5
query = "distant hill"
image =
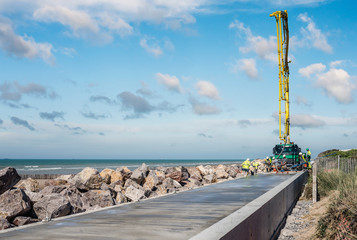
column 342, row 153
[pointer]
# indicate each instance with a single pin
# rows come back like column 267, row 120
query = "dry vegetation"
column 340, row 221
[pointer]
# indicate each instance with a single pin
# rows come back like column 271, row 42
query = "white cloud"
column 152, row 49
column 334, row 64
column 100, row 19
column 201, row 108
column 302, row 100
column 337, row 83
column 80, row 22
column 249, row 67
column 306, row 121
column 312, row 69
column 207, row 89
column 314, row 35
column 295, row 3
column 23, row 47
column 265, row 48
column 172, row 83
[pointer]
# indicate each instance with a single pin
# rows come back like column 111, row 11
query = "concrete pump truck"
column 286, row 149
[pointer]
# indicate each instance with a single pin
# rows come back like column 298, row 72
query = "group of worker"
column 278, row 165
column 246, row 166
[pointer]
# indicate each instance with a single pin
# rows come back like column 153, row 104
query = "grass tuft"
column 340, row 222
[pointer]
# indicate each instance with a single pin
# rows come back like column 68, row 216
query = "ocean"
column 73, row 166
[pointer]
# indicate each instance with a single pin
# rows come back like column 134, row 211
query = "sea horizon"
column 73, row 166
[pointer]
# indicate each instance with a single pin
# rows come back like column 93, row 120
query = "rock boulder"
column 87, row 179
column 94, row 199
column 221, row 172
column 194, row 173
column 30, row 185
column 134, row 194
column 8, row 179
column 4, row 224
column 20, row 221
column 13, row 203
column 52, row 206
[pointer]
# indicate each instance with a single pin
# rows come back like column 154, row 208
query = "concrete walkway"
column 175, row 216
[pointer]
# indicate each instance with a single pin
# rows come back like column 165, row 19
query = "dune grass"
column 340, row 221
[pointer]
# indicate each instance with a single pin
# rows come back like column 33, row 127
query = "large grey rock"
column 134, row 194
column 87, row 179
column 95, row 199
column 168, row 186
column 176, row 175
column 194, row 173
column 106, row 175
column 185, row 173
column 71, row 193
column 209, row 179
column 52, row 189
column 137, row 176
column 151, row 181
column 193, row 183
column 75, row 199
column 13, row 203
column 160, row 174
column 204, row 170
column 130, row 182
column 171, row 183
column 30, row 185
column 8, row 179
column 125, row 173
column 120, row 198
column 20, row 220
column 144, row 168
column 4, row 224
column 233, row 171
column 221, row 172
column 140, row 174
column 52, row 206
column 34, row 196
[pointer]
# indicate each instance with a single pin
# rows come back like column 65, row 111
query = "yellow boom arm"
column 283, row 47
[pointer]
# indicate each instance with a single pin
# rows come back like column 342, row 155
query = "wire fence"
column 347, row 165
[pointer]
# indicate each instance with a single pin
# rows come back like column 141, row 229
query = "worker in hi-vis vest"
column 246, row 165
column 308, row 154
column 304, row 161
column 255, row 165
column 268, row 164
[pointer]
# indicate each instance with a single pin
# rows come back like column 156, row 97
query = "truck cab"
column 291, row 152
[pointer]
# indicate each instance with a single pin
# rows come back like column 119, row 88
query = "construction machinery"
column 287, row 148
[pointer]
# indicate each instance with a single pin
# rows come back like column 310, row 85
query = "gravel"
column 295, row 222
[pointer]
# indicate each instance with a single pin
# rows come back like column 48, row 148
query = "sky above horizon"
column 191, row 79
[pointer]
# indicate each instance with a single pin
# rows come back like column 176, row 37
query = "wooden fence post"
column 314, row 182
column 338, row 159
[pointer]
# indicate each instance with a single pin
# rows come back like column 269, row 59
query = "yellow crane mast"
column 283, row 48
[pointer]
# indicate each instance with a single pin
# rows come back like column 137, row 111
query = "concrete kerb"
column 262, row 218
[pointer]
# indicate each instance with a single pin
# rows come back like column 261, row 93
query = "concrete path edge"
column 262, row 218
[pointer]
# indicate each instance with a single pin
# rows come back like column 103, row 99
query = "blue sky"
column 172, row 79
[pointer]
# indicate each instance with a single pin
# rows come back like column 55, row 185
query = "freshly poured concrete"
column 175, row 216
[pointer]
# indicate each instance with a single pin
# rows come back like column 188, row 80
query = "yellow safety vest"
column 308, row 153
column 256, row 164
column 246, row 164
